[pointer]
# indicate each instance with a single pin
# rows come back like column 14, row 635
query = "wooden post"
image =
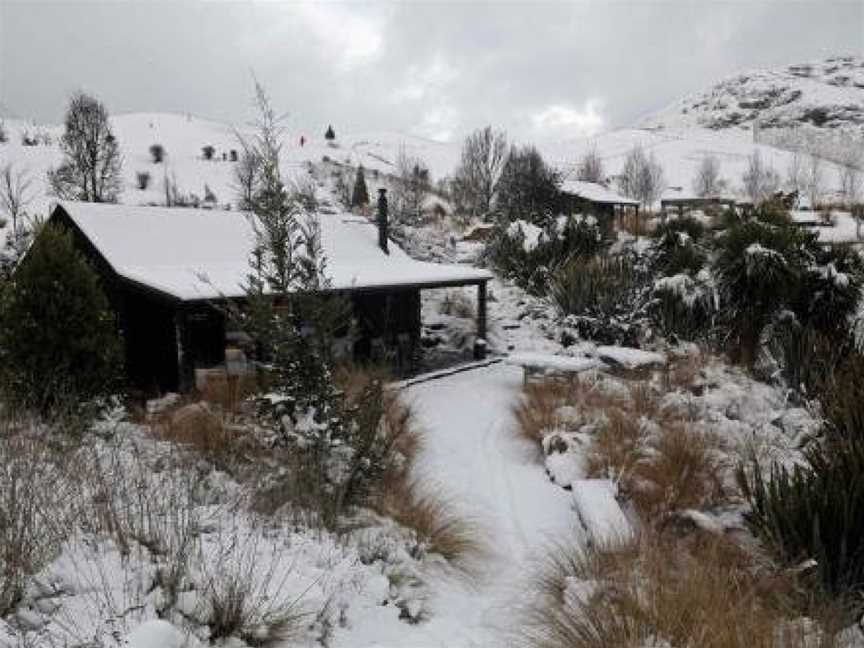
column 480, row 344
column 184, row 359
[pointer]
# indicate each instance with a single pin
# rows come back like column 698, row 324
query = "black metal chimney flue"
column 383, row 224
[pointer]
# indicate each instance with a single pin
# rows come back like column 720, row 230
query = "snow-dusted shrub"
column 815, row 511
column 37, row 505
column 244, row 589
column 684, row 305
column 604, row 297
column 208, row 151
column 830, row 290
column 157, row 152
column 12, row 250
column 758, row 271
column 143, row 180
column 678, row 247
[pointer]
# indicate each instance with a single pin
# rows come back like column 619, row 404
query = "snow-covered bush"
column 527, row 253
column 243, row 589
column 678, row 247
column 758, row 270
column 603, row 297
column 685, row 305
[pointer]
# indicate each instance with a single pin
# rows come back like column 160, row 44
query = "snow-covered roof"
column 595, row 192
column 204, row 254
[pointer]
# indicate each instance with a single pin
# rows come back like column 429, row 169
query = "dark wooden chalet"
column 167, row 271
column 581, row 197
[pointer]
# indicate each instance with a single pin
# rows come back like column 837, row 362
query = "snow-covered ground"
column 472, row 457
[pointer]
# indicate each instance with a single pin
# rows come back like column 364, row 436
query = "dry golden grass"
column 634, row 225
column 219, row 389
column 198, row 426
column 536, row 411
column 682, row 373
column 616, row 447
column 703, row 592
column 439, row 527
column 643, row 399
column 680, row 469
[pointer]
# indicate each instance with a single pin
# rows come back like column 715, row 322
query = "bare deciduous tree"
column 91, row 167
column 476, row 180
column 590, row 167
column 245, row 178
column 795, row 177
column 413, row 183
column 15, row 193
column 760, row 180
column 849, row 173
column 642, row 177
column 815, row 180
column 708, row 182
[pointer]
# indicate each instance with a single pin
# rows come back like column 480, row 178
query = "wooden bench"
column 544, row 364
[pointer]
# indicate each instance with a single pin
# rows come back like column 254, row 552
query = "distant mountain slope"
column 825, row 96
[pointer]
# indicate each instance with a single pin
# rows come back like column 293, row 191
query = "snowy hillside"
column 826, row 95
column 184, row 136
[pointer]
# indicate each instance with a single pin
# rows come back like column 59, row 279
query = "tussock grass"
column 245, row 591
column 616, row 447
column 681, row 469
column 195, row 425
column 704, row 591
column 440, row 528
column 683, row 373
column 536, row 411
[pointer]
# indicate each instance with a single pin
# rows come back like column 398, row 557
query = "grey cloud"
column 432, row 68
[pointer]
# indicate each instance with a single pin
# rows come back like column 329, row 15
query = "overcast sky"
column 540, row 70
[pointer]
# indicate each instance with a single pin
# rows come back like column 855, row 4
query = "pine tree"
column 360, row 196
column 59, row 347
column 330, row 134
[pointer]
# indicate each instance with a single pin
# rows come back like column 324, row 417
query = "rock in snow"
column 157, row 633
column 600, row 513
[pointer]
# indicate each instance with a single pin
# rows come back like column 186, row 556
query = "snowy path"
column 472, row 457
